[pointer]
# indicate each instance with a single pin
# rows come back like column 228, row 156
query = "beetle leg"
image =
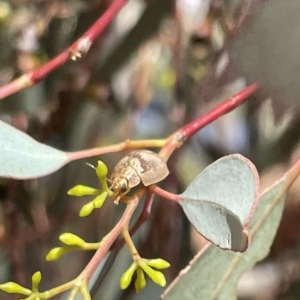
column 117, row 199
column 121, row 196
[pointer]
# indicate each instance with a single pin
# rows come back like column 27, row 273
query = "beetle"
column 140, row 166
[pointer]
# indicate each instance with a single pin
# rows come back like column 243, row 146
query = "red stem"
column 181, row 135
column 165, row 194
column 81, row 46
column 109, row 239
column 222, row 109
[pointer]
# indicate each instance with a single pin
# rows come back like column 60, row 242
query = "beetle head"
column 119, row 187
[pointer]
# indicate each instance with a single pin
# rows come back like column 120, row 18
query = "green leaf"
column 213, row 273
column 220, row 201
column 22, row 157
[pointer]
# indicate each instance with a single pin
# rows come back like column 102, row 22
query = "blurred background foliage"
column 160, row 64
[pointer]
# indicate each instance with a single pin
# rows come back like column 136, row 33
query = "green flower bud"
column 127, row 276
column 157, row 276
column 71, row 239
column 101, row 169
column 158, row 263
column 82, row 190
column 56, row 253
column 86, row 209
column 99, row 200
column 12, row 287
column 140, row 281
column 36, row 279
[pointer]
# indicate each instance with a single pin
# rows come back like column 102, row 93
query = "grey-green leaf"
column 22, row 157
column 220, row 201
column 213, row 273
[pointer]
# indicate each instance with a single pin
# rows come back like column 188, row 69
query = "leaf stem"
column 165, row 194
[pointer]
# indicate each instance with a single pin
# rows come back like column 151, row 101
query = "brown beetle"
column 138, row 166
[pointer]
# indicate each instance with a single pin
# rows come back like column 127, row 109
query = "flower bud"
column 71, row 239
column 157, row 276
column 158, row 263
column 99, row 200
column 56, row 253
column 140, row 281
column 127, row 276
column 36, row 279
column 101, row 169
column 82, row 190
column 12, row 287
column 86, row 209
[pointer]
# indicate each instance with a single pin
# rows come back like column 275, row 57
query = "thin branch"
column 110, row 238
column 128, row 144
column 225, row 107
column 76, row 50
column 180, row 136
column 127, row 238
column 165, row 194
column 143, row 217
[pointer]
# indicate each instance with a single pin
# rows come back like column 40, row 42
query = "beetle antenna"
column 90, row 165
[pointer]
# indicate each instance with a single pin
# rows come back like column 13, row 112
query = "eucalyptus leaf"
column 220, row 200
column 213, row 273
column 22, row 157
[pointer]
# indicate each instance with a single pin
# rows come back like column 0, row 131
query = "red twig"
column 181, row 135
column 165, row 194
column 109, row 239
column 222, row 109
column 76, row 50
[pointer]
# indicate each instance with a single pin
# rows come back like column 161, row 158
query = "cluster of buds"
column 142, row 266
column 100, row 194
column 13, row 287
